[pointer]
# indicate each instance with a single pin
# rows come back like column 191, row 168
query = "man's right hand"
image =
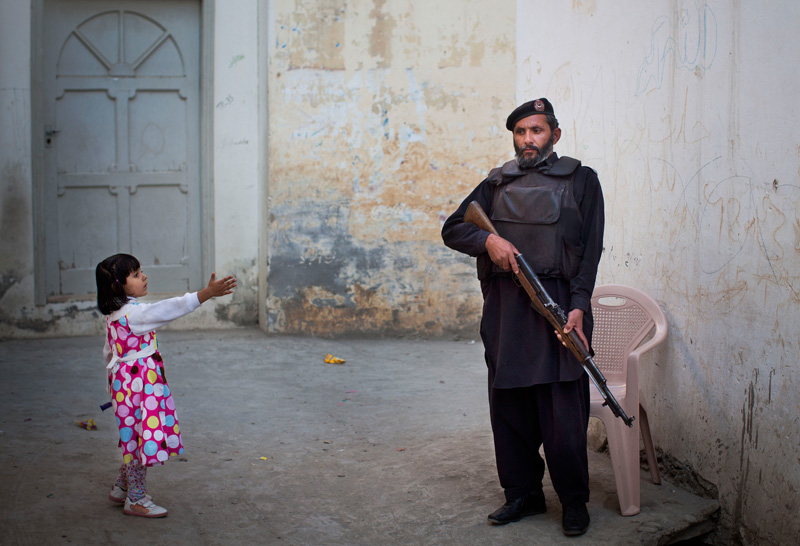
column 502, row 253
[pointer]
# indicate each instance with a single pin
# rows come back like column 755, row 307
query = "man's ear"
column 556, row 134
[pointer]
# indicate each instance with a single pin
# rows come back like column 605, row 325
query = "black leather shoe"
column 575, row 518
column 530, row 504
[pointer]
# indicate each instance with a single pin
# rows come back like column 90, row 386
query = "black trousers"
column 553, row 415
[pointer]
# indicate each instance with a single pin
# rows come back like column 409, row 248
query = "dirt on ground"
column 391, row 447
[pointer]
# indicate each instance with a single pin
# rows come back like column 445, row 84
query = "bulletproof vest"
column 537, row 212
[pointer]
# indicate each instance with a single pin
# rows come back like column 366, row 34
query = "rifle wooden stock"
column 550, row 310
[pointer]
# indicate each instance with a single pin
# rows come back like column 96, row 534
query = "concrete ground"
column 392, row 447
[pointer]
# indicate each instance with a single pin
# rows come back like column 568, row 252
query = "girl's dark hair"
column 111, row 275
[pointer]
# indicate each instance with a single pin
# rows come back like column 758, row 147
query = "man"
column 550, row 209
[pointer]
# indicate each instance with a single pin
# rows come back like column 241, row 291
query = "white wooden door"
column 121, row 110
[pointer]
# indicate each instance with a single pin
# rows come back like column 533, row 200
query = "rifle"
column 550, row 310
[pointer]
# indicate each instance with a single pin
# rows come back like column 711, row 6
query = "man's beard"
column 525, row 163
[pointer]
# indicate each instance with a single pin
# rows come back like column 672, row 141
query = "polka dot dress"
column 142, row 401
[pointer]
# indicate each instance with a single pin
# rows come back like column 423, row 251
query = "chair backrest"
column 623, row 317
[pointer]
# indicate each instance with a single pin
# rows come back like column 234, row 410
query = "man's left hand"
column 574, row 322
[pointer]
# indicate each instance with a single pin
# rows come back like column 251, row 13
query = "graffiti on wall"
column 688, row 41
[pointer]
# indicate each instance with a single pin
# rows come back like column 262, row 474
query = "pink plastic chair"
column 623, row 317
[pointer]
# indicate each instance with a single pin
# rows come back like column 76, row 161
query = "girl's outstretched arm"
column 145, row 317
column 217, row 288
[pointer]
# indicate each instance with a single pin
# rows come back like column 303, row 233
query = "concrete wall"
column 383, row 116
column 239, row 167
column 688, row 112
column 16, row 197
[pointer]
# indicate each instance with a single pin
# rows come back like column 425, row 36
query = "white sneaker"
column 118, row 495
column 144, row 507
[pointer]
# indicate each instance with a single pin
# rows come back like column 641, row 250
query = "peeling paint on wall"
column 314, row 35
column 380, row 38
column 380, row 153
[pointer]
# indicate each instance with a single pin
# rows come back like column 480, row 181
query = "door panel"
column 121, row 110
column 157, row 142
column 86, row 137
column 154, row 202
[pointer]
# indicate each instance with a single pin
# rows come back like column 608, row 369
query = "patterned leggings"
column 132, row 476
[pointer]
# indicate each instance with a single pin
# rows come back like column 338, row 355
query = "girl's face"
column 136, row 284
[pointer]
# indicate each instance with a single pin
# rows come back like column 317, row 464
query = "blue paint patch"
column 322, row 227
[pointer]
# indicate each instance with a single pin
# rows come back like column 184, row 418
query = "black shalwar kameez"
column 538, row 392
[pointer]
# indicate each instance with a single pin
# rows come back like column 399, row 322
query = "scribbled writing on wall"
column 689, row 41
column 734, row 221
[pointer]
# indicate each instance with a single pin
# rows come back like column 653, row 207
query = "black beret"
column 538, row 106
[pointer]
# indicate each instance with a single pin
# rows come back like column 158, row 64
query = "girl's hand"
column 217, row 288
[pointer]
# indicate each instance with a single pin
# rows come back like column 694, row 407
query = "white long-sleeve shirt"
column 146, row 317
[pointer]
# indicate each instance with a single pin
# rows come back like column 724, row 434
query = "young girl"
column 142, row 401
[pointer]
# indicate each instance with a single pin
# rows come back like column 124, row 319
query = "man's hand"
column 216, row 288
column 502, row 252
column 574, row 322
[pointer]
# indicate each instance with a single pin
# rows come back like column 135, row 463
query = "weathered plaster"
column 700, row 173
column 16, row 253
column 315, row 36
column 377, row 150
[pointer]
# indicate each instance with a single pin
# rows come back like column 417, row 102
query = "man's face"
column 533, row 140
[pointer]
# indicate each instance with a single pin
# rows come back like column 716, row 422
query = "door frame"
column 205, row 160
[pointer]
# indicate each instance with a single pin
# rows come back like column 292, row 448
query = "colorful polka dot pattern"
column 143, row 404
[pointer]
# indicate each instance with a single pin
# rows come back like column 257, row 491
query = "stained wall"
column 16, row 229
column 687, row 111
column 383, row 116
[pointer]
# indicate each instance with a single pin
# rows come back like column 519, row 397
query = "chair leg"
column 647, row 440
column 623, row 443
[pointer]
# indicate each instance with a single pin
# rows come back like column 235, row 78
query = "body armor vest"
column 537, row 212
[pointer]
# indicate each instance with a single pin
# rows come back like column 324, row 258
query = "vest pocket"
column 571, row 259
